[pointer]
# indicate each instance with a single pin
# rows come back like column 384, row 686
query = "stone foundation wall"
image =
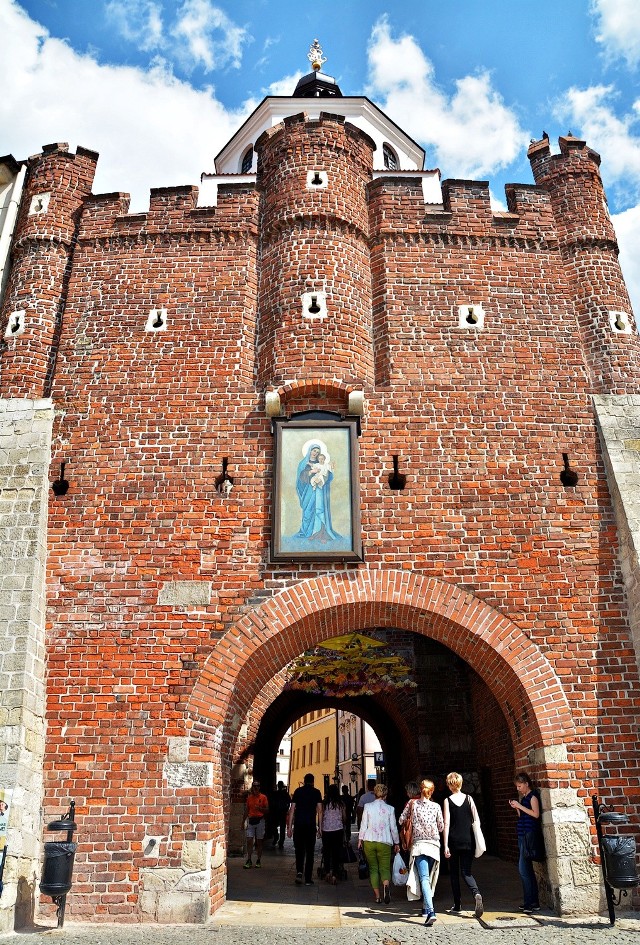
column 25, row 447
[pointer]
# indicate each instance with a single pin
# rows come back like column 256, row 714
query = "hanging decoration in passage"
column 349, row 665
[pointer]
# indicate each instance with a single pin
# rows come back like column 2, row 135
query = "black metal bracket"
column 317, row 415
column 2, row 862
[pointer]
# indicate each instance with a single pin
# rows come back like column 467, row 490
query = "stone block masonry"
column 25, row 453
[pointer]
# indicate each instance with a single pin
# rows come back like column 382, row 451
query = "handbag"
column 406, row 830
column 363, row 866
column 533, row 845
column 349, row 854
column 478, row 836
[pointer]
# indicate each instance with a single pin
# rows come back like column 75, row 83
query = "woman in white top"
column 459, row 844
column 378, row 833
column 426, row 819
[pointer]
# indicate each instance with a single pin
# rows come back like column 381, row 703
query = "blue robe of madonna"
column 315, row 503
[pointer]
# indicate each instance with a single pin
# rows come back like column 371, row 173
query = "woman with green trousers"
column 378, row 834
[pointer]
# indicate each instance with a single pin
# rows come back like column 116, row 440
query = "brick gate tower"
column 322, row 393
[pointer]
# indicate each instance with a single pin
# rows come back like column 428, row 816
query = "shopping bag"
column 478, row 836
column 400, row 871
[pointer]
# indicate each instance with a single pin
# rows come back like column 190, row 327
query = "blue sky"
column 158, row 87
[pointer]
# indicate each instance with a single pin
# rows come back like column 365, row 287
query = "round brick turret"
column 590, row 250
column 56, row 185
column 314, row 302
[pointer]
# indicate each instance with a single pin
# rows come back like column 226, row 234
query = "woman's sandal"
column 378, row 900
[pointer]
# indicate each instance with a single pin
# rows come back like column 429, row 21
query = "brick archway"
column 237, row 679
column 264, row 640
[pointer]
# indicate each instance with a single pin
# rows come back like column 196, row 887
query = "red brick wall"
column 484, row 550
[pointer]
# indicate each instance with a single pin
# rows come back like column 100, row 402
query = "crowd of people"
column 424, row 831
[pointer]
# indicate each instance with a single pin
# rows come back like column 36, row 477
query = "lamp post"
column 355, row 767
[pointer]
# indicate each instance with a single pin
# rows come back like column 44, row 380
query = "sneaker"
column 425, row 913
column 299, row 879
column 431, row 918
column 526, row 909
column 454, row 910
column 258, row 865
column 479, row 907
column 248, row 865
column 309, row 882
column 535, row 908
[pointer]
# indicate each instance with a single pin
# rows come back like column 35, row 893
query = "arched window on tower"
column 247, row 161
column 390, row 157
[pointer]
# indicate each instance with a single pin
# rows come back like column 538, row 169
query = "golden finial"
column 315, row 56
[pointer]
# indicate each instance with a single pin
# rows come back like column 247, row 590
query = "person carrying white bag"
column 462, row 840
column 427, row 824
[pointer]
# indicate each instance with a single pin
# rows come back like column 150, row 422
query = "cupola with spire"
column 238, row 156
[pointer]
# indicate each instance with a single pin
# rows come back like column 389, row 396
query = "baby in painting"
column 320, row 471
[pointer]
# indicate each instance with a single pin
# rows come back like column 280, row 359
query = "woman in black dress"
column 459, row 845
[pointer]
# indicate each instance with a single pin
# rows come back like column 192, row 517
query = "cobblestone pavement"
column 545, row 932
column 265, row 907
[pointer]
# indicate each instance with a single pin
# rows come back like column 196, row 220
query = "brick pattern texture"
column 484, row 551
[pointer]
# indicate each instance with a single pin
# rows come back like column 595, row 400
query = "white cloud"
column 284, row 86
column 618, row 28
column 472, row 132
column 139, row 21
column 627, row 226
column 200, row 36
column 591, row 112
column 206, row 35
column 151, row 129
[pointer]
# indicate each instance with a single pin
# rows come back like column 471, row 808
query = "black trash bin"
column 620, row 861
column 57, row 868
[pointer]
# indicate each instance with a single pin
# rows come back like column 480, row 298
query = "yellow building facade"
column 314, row 749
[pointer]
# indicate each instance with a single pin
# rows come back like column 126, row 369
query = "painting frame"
column 315, row 493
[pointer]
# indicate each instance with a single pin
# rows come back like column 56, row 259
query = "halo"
column 314, row 441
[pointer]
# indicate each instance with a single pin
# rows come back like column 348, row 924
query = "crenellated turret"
column 314, row 299
column 590, row 252
column 56, row 185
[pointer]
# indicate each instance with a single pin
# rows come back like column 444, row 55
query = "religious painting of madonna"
column 316, row 503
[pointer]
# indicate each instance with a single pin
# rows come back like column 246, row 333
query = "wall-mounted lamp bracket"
column 224, row 482
column 60, row 486
column 568, row 477
column 397, row 480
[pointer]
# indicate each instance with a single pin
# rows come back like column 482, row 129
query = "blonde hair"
column 429, row 785
column 380, row 790
column 454, row 780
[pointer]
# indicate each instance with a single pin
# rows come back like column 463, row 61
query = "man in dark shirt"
column 304, row 823
column 279, row 804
